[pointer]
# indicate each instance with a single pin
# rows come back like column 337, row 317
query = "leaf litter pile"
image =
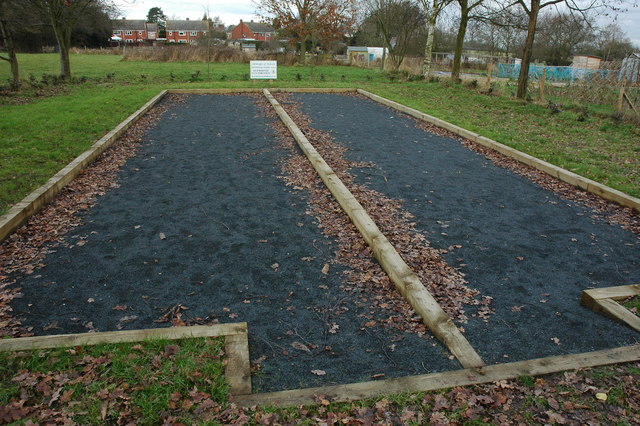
column 364, row 276
column 24, row 251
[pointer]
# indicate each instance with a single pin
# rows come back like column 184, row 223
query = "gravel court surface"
column 201, row 220
column 526, row 247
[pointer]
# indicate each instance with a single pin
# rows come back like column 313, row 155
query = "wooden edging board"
column 604, row 300
column 444, row 380
column 555, row 171
column 33, row 202
column 237, row 371
column 405, row 280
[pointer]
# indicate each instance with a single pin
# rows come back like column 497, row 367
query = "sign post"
column 264, row 70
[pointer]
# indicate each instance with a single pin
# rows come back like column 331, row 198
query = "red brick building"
column 253, row 30
column 186, row 31
column 135, row 30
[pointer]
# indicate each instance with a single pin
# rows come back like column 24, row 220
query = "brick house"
column 186, row 31
column 253, row 30
column 135, row 30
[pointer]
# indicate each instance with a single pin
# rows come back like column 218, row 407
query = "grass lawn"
column 109, row 382
column 47, row 126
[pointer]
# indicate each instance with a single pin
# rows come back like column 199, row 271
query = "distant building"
column 586, row 62
column 186, row 31
column 253, row 31
column 364, row 54
column 358, row 54
column 134, row 30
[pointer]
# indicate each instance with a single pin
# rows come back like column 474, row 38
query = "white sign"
column 267, row 70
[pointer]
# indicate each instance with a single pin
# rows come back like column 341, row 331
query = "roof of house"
column 357, row 49
column 259, row 27
column 129, row 24
column 187, row 25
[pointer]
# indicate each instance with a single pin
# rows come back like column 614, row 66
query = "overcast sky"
column 231, row 11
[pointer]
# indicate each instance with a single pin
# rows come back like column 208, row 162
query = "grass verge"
column 181, row 382
column 151, row 382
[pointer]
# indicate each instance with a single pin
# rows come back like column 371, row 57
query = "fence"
column 553, row 74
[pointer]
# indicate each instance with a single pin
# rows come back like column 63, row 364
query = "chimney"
column 187, row 19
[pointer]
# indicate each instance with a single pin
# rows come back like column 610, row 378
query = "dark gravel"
column 206, row 176
column 526, row 247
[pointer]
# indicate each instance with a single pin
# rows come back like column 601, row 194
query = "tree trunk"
column 62, row 31
column 13, row 58
column 428, row 48
column 384, row 57
column 462, row 31
column 523, row 79
column 303, row 51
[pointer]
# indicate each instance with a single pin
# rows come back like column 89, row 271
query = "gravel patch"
column 527, row 247
column 202, row 228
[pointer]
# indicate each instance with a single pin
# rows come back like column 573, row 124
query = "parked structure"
column 253, row 31
column 135, row 30
column 186, row 31
column 630, row 68
column 586, row 62
column 364, row 54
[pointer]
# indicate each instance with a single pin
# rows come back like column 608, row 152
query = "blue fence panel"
column 553, row 73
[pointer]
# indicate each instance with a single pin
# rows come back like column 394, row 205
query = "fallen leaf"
column 124, row 320
column 275, row 266
column 120, row 308
column 162, row 236
column 301, row 347
column 325, row 269
column 91, row 300
column 555, row 340
column 601, row 396
column 319, row 372
column 370, row 323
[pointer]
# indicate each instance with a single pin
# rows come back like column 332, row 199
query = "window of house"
column 182, row 41
column 129, row 40
column 170, row 33
column 181, row 33
column 194, row 33
column 116, row 32
column 128, row 32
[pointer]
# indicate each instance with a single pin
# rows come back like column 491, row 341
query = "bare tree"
column 8, row 20
column 62, row 15
column 304, row 20
column 466, row 7
column 532, row 9
column 561, row 35
column 432, row 10
column 399, row 23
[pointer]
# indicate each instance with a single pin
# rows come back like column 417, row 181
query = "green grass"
column 144, row 379
column 46, row 126
column 633, row 304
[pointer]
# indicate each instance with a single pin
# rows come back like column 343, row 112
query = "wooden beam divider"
column 405, row 280
column 84, row 339
column 238, row 369
column 604, row 301
column 444, row 380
